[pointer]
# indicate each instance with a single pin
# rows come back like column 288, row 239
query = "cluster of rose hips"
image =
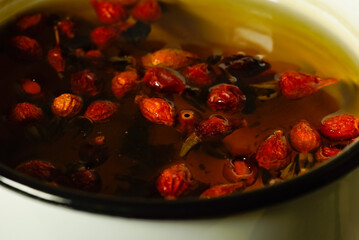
column 156, row 78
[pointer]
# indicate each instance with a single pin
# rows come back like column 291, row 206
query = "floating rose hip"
column 30, row 86
column 86, row 180
column 164, row 80
column 37, row 169
column 187, row 121
column 174, row 181
column 156, row 110
column 226, row 97
column 222, row 190
column 26, row 112
column 54, row 56
column 325, row 153
column 340, row 127
column 147, row 11
column 295, row 85
column 124, row 82
column 66, row 28
column 85, row 83
column 273, row 153
column 26, row 48
column 241, row 168
column 104, row 35
column 304, row 137
column 101, row 111
column 30, row 23
column 168, row 57
column 199, row 75
column 109, row 11
column 66, row 105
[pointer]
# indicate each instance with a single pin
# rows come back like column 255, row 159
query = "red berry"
column 241, row 168
column 199, row 75
column 56, row 59
column 109, row 12
column 340, row 127
column 37, row 169
column 86, row 180
column 26, row 48
column 163, row 80
column 85, row 83
column 304, row 137
column 174, row 181
column 26, row 112
column 214, row 127
column 147, row 11
column 124, row 82
column 30, row 86
column 222, row 190
column 66, row 28
column 273, row 153
column 101, row 111
column 30, row 23
column 104, row 35
column 325, row 153
column 226, row 97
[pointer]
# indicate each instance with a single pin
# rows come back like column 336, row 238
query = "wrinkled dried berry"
column 325, row 153
column 199, row 75
column 273, row 153
column 168, row 57
column 187, row 121
column 30, row 23
column 214, row 127
column 66, row 105
column 26, row 113
column 304, row 137
column 174, row 181
column 340, row 127
column 241, row 168
column 26, row 48
column 156, row 110
column 164, row 80
column 295, row 85
column 222, row 190
column 104, row 35
column 85, row 83
column 86, row 180
column 226, row 97
column 124, row 82
column 109, row 11
column 147, row 11
column 101, row 111
column 37, row 169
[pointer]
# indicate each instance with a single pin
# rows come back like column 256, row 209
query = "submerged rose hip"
column 30, row 86
column 26, row 48
column 86, row 180
column 30, row 23
column 163, row 80
column 37, row 169
column 295, row 85
column 147, row 11
column 241, row 168
column 85, row 83
column 26, row 112
column 101, row 111
column 199, row 75
column 214, row 127
column 66, row 28
column 104, row 35
column 174, row 181
column 124, row 82
column 226, row 97
column 109, row 11
column 168, row 57
column 340, row 127
column 273, row 153
column 66, row 105
column 304, row 137
column 156, row 110
column 325, row 153
column 222, row 190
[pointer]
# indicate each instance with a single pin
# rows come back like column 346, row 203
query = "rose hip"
column 163, row 80
column 304, row 137
column 222, row 190
column 26, row 113
column 95, row 57
column 37, row 169
column 85, row 83
column 340, row 127
column 109, row 11
column 26, row 48
column 241, row 168
column 214, row 127
column 101, row 111
column 124, row 82
column 54, row 56
column 226, row 97
column 295, row 85
column 273, row 153
column 187, row 121
column 156, row 110
column 199, row 75
column 66, row 28
column 147, row 11
column 174, row 181
column 104, row 35
column 325, row 153
column 66, row 105
column 30, row 86
column 30, row 23
column 86, row 180
column 168, row 57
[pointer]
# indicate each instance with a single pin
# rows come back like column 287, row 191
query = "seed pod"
column 222, row 190
column 226, row 97
column 295, row 85
column 187, row 121
column 273, row 153
column 168, row 57
column 147, row 11
column 104, row 35
column 86, row 180
column 26, row 113
column 66, row 28
column 163, row 80
column 241, row 168
column 66, row 105
column 325, row 153
column 26, row 48
column 124, row 82
column 109, row 12
column 156, row 110
column 199, row 75
column 174, row 181
column 37, row 169
column 304, row 137
column 85, row 83
column 101, row 111
column 340, row 127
